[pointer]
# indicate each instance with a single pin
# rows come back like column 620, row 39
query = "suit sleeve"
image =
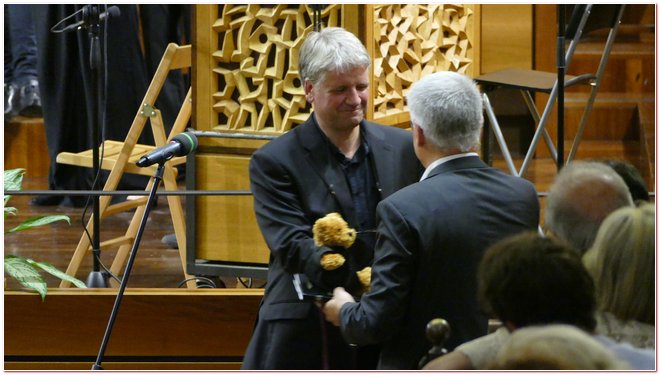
column 380, row 312
column 284, row 224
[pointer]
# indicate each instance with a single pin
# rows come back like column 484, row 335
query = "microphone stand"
column 158, row 177
column 91, row 16
column 561, row 73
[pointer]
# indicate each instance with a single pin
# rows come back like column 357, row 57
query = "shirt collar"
column 445, row 159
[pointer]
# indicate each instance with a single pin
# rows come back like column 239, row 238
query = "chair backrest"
column 600, row 16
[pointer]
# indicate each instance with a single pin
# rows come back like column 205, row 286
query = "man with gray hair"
column 580, row 198
column 431, row 235
column 336, row 161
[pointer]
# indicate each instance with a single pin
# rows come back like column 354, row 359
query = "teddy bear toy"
column 333, row 230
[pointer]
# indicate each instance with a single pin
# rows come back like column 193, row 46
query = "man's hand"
column 331, row 308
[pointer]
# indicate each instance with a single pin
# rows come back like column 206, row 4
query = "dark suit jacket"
column 296, row 180
column 431, row 238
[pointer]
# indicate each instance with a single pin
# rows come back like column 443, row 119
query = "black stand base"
column 97, row 279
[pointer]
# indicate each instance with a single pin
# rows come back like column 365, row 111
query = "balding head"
column 581, row 197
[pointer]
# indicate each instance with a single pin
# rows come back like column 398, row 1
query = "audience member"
column 135, row 42
column 622, row 263
column 632, row 177
column 334, row 162
column 554, row 347
column 431, row 235
column 20, row 73
column 580, row 198
column 528, row 280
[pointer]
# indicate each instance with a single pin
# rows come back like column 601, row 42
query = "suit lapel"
column 383, row 158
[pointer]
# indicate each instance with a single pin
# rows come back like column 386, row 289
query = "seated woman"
column 622, row 264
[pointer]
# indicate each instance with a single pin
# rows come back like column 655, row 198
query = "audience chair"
column 120, row 158
column 585, row 19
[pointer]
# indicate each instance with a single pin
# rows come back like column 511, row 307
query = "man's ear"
column 418, row 136
column 309, row 88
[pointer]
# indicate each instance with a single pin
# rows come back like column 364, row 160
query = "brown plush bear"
column 333, row 230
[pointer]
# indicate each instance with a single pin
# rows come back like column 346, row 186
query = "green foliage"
column 26, row 271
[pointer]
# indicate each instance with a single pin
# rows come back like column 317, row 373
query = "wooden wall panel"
column 409, row 41
column 252, row 78
column 245, row 60
column 25, row 146
column 506, row 36
column 226, row 225
column 65, row 331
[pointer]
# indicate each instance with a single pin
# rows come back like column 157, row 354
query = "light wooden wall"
column 506, row 36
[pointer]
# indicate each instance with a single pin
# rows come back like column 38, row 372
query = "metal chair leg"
column 497, row 131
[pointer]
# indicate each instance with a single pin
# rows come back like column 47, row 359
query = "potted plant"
column 24, row 270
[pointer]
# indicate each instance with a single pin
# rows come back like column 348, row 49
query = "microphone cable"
column 202, row 282
column 248, row 283
column 55, row 30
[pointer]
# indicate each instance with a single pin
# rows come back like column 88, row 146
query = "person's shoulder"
column 523, row 183
column 638, row 334
column 276, row 144
column 387, row 131
column 639, row 359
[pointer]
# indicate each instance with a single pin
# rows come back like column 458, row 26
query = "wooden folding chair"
column 120, row 158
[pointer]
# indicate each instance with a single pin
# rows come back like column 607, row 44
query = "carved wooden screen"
column 409, row 41
column 246, row 58
column 253, row 50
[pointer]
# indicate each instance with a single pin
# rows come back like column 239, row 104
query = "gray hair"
column 580, row 198
column 331, row 49
column 448, row 107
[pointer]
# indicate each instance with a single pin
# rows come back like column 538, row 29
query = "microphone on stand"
column 182, row 144
column 112, row 11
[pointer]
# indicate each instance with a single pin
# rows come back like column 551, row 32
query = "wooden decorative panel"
column 246, row 58
column 411, row 41
column 256, row 65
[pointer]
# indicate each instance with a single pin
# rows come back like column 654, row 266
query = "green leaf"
column 14, row 179
column 21, row 270
column 57, row 273
column 38, row 221
column 10, row 210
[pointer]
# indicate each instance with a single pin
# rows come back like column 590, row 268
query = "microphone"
column 112, row 11
column 180, row 145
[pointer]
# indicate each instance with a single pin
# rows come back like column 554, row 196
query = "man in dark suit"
column 334, row 162
column 431, row 235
